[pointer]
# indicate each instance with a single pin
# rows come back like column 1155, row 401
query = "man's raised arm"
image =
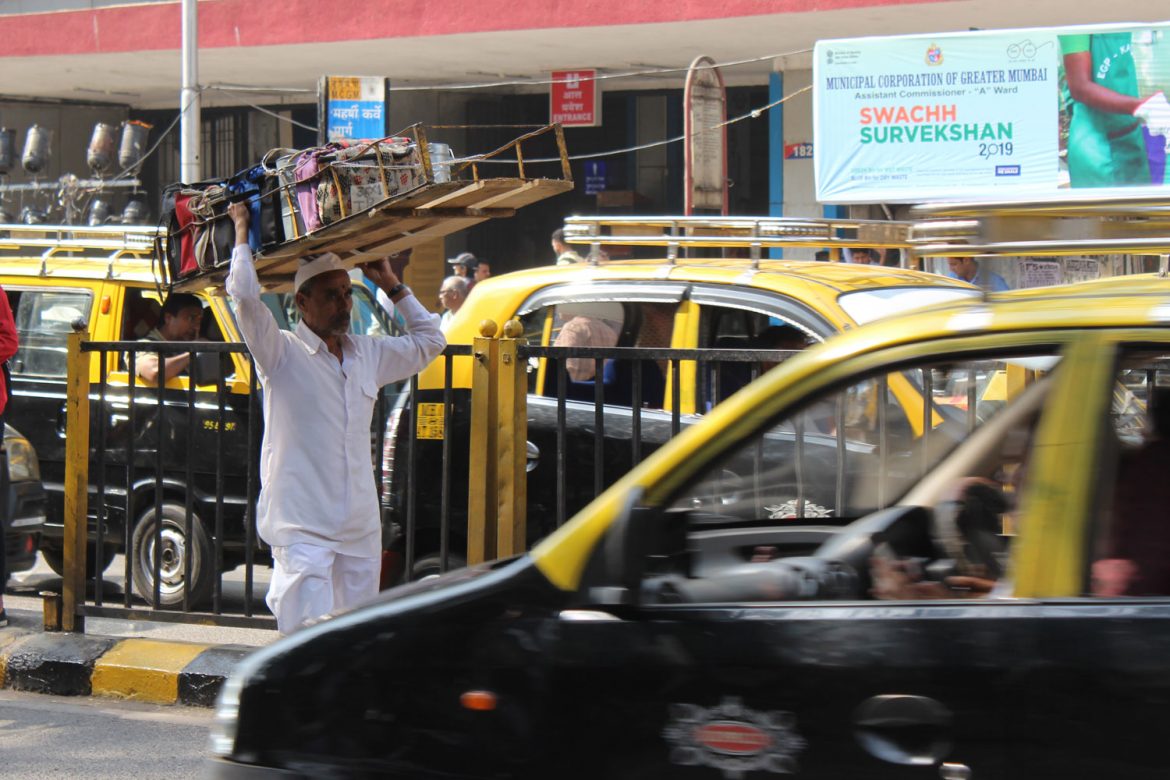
column 257, row 325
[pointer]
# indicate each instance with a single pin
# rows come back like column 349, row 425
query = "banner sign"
column 992, row 114
column 704, row 138
column 353, row 107
column 574, row 98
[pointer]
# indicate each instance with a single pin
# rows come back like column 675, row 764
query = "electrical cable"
column 236, row 90
column 524, row 82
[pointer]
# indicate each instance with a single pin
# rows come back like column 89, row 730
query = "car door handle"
column 588, row 616
column 902, row 729
column 532, row 456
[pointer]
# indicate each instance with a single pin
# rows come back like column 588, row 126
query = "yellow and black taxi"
column 666, row 302
column 104, row 280
column 1000, row 608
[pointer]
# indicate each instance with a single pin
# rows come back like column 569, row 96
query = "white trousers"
column 309, row 581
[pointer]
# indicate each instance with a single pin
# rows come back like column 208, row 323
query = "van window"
column 44, row 318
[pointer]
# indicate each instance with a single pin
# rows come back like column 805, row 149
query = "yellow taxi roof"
column 816, row 283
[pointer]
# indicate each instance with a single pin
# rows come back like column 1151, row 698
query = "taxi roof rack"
column 753, row 233
column 107, row 244
column 1080, row 224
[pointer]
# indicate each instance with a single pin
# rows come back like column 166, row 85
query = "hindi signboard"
column 992, row 114
column 353, row 107
column 596, row 176
column 574, row 99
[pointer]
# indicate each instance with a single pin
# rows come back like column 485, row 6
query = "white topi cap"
column 316, row 266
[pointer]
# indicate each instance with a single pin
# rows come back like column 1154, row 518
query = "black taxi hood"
column 451, row 590
column 383, row 658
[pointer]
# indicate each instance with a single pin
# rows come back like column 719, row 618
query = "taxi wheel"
column 431, row 566
column 55, row 557
column 175, row 549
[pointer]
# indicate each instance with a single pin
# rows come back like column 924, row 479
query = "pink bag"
column 307, row 166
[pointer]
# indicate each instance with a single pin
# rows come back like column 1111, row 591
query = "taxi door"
column 812, row 681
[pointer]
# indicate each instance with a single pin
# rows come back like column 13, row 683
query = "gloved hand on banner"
column 1154, row 112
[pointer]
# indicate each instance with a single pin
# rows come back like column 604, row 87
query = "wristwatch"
column 396, row 289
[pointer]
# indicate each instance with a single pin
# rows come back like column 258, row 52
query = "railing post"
column 512, row 444
column 76, row 482
column 482, row 500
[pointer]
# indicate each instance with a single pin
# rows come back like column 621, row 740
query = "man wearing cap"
column 463, row 264
column 318, row 507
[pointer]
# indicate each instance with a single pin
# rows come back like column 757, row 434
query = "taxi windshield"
column 868, row 305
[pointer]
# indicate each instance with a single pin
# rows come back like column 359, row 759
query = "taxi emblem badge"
column 733, row 738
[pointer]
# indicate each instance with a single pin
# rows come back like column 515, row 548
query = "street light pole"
column 189, row 99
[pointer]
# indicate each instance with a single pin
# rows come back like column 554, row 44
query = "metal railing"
column 456, row 494
column 156, row 471
column 442, row 504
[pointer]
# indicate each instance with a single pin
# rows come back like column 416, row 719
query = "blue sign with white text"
column 595, row 177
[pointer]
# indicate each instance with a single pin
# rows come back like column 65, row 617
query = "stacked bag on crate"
column 290, row 194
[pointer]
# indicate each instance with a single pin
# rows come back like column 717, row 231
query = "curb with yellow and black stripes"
column 141, row 669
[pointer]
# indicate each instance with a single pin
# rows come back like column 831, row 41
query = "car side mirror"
column 623, row 553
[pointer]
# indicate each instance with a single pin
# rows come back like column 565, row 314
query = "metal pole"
column 189, row 100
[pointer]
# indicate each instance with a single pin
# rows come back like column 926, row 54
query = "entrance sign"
column 992, row 114
column 353, row 107
column 705, row 138
column 574, row 99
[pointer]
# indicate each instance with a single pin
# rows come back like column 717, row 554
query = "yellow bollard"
column 512, row 444
column 76, row 483
column 482, row 500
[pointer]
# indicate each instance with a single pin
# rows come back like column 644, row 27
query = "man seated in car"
column 1136, row 559
column 181, row 316
column 978, row 505
column 971, row 530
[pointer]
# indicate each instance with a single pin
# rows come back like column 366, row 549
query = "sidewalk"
column 163, row 663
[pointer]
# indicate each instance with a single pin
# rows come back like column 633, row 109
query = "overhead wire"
column 518, row 82
column 237, row 91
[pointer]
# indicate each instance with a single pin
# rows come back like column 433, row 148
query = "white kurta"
column 317, row 478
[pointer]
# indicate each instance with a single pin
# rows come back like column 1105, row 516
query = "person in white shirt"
column 452, row 294
column 318, row 507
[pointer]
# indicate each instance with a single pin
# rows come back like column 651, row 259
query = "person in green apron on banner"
column 1106, row 142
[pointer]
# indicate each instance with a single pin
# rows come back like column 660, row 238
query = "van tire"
column 175, row 547
column 55, row 557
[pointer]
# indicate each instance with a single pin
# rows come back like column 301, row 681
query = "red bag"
column 185, row 230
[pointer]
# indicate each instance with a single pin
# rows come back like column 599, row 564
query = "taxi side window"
column 643, row 324
column 1132, row 551
column 44, row 319
column 724, row 327
column 841, row 456
column 141, row 313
